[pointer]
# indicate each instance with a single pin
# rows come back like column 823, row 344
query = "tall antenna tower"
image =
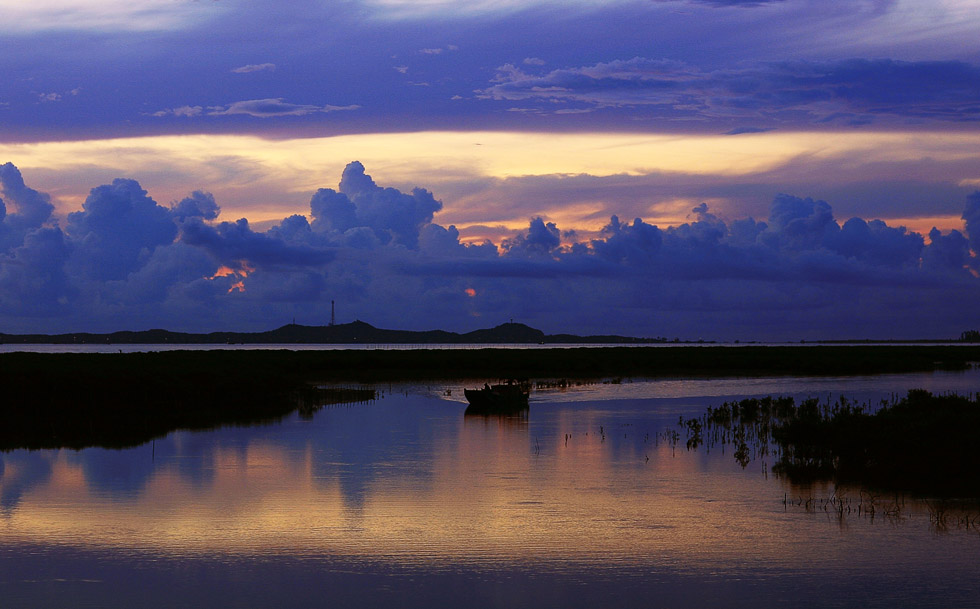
column 333, row 318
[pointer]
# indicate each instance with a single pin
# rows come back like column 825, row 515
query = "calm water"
column 404, row 502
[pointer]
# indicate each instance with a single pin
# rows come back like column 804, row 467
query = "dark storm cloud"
column 378, row 251
column 117, row 229
column 33, row 281
column 949, row 252
column 855, row 91
column 178, row 264
column 235, row 244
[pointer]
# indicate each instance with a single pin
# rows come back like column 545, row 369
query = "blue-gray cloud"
column 855, row 91
column 30, row 210
column 266, row 108
column 33, row 280
column 117, row 229
column 235, row 244
column 199, row 204
column 393, row 216
column 738, row 2
column 259, row 108
column 125, row 259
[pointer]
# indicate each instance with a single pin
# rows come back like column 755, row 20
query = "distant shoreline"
column 362, row 333
column 356, row 332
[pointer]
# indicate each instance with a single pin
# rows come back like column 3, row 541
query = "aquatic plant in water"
column 921, row 443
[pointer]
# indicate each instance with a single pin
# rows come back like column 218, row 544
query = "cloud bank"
column 846, row 92
column 124, row 260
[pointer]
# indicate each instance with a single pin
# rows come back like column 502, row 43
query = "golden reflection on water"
column 483, row 491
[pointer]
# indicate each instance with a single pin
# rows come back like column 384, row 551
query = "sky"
column 777, row 170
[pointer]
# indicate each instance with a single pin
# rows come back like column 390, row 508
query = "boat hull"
column 497, row 399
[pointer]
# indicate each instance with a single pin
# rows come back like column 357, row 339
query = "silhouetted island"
column 356, row 332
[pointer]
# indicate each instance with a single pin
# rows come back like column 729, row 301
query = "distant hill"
column 357, row 332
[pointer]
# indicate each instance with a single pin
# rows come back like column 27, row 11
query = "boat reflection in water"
column 506, row 398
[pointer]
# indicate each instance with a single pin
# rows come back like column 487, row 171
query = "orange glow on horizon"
column 170, row 163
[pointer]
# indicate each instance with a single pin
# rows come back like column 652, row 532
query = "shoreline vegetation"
column 921, row 443
column 116, row 400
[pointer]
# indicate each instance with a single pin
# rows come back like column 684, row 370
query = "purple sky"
column 724, row 169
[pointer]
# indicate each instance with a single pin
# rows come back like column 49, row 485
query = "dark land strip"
column 117, row 400
column 353, row 333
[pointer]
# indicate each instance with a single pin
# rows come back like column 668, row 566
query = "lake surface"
column 406, row 502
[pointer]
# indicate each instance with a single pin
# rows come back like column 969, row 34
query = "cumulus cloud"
column 117, row 229
column 30, row 208
column 971, row 216
column 854, row 91
column 199, row 204
column 393, row 216
column 378, row 251
column 634, row 244
column 540, row 240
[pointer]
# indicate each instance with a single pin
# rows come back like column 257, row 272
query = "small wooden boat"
column 507, row 397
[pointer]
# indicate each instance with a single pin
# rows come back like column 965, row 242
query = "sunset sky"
column 718, row 169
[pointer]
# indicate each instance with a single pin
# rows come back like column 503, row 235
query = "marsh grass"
column 921, row 443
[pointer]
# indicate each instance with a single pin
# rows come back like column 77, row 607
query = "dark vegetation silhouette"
column 920, row 443
column 123, row 400
column 970, row 336
column 356, row 332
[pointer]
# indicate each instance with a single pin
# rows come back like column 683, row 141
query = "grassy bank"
column 78, row 400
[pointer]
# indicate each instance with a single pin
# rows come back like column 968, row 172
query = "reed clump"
column 921, row 443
